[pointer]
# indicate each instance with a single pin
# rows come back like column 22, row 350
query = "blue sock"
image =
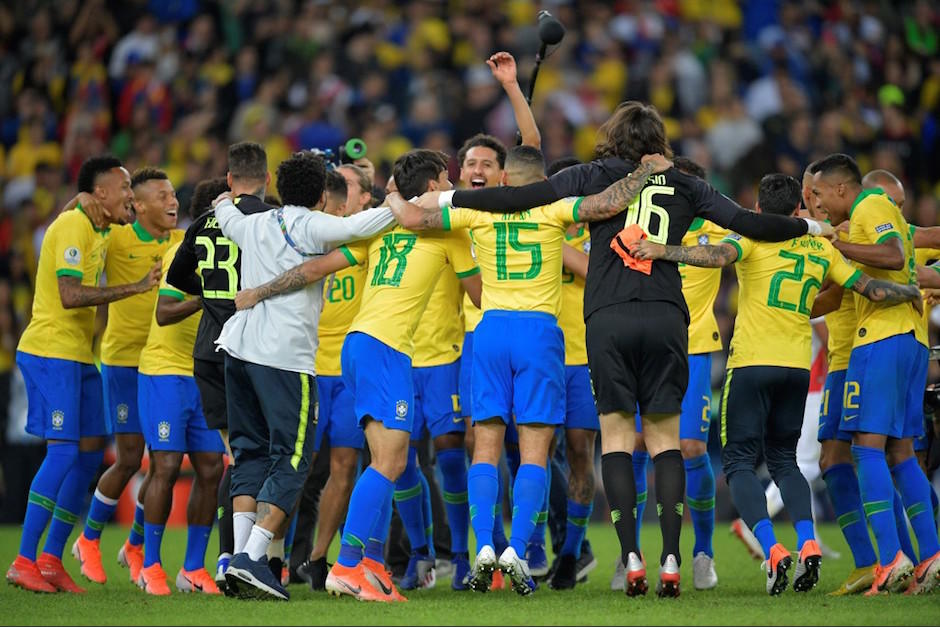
column 427, row 514
column 528, row 493
column 409, row 499
column 842, row 483
column 197, row 539
column 915, row 492
column 500, row 542
column 136, row 535
column 904, row 534
column 877, row 490
column 375, row 546
column 804, row 532
column 43, row 492
column 365, row 507
column 289, row 538
column 640, row 460
column 700, row 496
column 71, row 500
column 153, row 539
column 578, row 518
column 764, row 532
column 538, row 534
column 453, row 465
column 99, row 513
column 483, row 488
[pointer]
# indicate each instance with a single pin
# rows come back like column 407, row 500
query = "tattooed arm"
column 413, row 217
column 616, row 197
column 889, row 292
column 294, row 279
column 74, row 294
column 709, row 256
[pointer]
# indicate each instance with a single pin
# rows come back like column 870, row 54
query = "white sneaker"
column 619, row 580
column 517, row 569
column 481, row 576
column 704, row 576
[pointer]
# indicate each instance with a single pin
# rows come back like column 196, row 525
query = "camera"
column 353, row 149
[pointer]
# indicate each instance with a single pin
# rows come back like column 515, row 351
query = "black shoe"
column 565, row 577
column 586, row 563
column 276, row 565
column 551, row 569
column 314, row 573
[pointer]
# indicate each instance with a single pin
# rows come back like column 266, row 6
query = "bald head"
column 888, row 182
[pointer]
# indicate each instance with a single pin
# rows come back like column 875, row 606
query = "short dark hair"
column 839, row 163
column 142, row 175
column 415, row 169
column 558, row 165
column 684, row 164
column 204, row 193
column 300, row 179
column 92, row 168
column 526, row 157
column 812, row 168
column 779, row 194
column 247, row 161
column 336, row 184
column 634, row 129
column 487, row 141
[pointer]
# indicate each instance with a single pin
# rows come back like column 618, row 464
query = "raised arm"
column 294, row 279
column 503, row 66
column 234, row 223
column 709, row 256
column 618, row 195
column 321, row 231
column 74, row 294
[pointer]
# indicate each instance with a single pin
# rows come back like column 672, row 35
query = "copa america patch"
column 122, row 413
column 401, row 410
column 58, row 419
column 163, row 431
column 881, row 228
column 73, row 256
column 586, row 247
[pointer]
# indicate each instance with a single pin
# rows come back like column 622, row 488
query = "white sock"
column 276, row 549
column 242, row 523
column 258, row 542
column 774, row 500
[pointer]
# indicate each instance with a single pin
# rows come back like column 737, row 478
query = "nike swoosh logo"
column 849, row 418
column 458, row 420
column 382, row 585
column 350, row 588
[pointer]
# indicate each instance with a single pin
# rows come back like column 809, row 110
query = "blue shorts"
column 380, row 380
column 696, row 415
column 337, row 418
column 466, row 374
column 884, row 388
column 830, row 412
column 171, row 418
column 64, row 398
column 580, row 410
column 519, row 368
column 437, row 402
column 120, row 398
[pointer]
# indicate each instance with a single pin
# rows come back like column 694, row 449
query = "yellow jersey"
column 874, row 219
column 169, row 349
column 571, row 319
column 923, row 257
column 132, row 251
column 519, row 254
column 700, row 288
column 72, row 246
column 471, row 313
column 841, row 324
column 778, row 283
column 439, row 337
column 342, row 294
column 403, row 267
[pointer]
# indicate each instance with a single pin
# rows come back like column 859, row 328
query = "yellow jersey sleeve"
column 357, row 253
column 878, row 221
column 571, row 318
column 700, row 288
column 460, row 255
column 68, row 249
column 840, row 271
column 743, row 245
column 841, row 326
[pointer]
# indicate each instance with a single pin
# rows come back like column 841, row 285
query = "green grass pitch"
column 739, row 599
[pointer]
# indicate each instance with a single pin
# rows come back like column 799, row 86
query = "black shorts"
column 763, row 403
column 210, row 379
column 638, row 357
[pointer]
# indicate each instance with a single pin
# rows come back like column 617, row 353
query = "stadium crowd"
column 742, row 91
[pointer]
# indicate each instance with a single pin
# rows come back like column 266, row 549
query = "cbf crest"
column 401, row 410
column 122, row 413
column 58, row 419
column 703, row 240
column 163, row 431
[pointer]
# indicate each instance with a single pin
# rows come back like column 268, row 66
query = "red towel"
column 622, row 240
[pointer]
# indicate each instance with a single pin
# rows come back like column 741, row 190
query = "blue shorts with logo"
column 437, row 401
column 830, row 411
column 171, row 416
column 337, row 415
column 64, row 398
column 466, row 374
column 380, row 380
column 580, row 410
column 884, row 388
column 519, row 368
column 696, row 415
column 120, row 398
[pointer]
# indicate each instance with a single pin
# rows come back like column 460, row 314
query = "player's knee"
column 209, row 468
column 692, row 448
column 166, row 466
column 739, row 456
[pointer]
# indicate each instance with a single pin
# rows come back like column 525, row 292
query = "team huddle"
column 517, row 315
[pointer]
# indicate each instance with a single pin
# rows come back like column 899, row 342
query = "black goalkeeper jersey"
column 664, row 209
column 208, row 264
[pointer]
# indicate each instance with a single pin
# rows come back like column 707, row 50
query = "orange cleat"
column 498, row 582
column 808, row 563
column 88, row 554
column 893, row 577
column 354, row 581
column 381, row 579
column 740, row 530
column 776, row 569
column 131, row 557
column 152, row 580
column 196, row 581
column 926, row 575
column 636, row 584
column 54, row 572
column 23, row 573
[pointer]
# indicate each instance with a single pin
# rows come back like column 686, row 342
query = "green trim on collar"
column 697, row 223
column 144, row 236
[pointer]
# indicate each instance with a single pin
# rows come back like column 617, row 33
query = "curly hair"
column 415, row 169
column 634, row 129
column 92, row 168
column 204, row 193
column 300, row 179
column 487, row 141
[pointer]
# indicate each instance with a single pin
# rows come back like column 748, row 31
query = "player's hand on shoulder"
column 503, row 66
column 428, row 200
column 659, row 162
column 152, row 279
column 246, row 299
column 95, row 211
column 645, row 249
